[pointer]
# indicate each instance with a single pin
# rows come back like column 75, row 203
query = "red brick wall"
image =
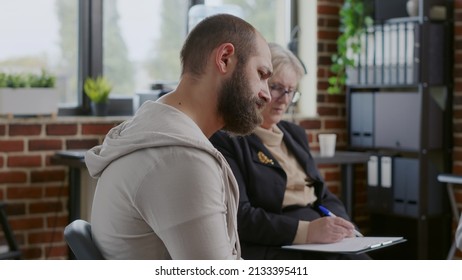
column 36, row 191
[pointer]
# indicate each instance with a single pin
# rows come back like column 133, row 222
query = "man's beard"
column 238, row 105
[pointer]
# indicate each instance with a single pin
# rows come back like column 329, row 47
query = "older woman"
column 280, row 188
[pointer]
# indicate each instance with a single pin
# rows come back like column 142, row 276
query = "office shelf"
column 399, row 107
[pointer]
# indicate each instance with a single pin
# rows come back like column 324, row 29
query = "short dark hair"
column 212, row 32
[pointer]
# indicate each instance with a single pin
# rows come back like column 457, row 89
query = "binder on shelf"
column 373, row 181
column 406, row 184
column 362, row 119
column 380, row 183
column 386, row 186
column 385, row 171
column 373, row 171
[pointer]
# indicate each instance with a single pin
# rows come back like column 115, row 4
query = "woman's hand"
column 329, row 230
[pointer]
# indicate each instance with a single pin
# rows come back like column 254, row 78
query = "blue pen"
column 327, row 212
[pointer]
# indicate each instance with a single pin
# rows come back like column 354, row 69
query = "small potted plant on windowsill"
column 28, row 94
column 98, row 90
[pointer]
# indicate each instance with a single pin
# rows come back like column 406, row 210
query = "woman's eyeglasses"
column 278, row 91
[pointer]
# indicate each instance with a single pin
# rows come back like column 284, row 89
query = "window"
column 40, row 35
column 142, row 40
column 270, row 17
column 135, row 44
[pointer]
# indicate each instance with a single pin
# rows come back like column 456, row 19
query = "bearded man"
column 164, row 191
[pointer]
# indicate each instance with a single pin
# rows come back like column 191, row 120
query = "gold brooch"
column 264, row 159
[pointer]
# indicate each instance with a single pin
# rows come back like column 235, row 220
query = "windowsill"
column 64, row 119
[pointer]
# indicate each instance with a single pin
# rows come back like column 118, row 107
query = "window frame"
column 90, row 50
column 90, row 53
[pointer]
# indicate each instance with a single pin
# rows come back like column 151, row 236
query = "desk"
column 74, row 159
column 346, row 159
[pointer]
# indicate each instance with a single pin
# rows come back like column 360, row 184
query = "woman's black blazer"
column 262, row 221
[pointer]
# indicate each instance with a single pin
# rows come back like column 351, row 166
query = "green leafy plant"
column 27, row 80
column 44, row 80
column 16, row 81
column 3, row 80
column 97, row 89
column 353, row 24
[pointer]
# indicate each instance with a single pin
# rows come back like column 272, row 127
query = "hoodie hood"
column 142, row 132
column 176, row 129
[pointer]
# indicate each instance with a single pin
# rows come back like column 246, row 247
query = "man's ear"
column 225, row 57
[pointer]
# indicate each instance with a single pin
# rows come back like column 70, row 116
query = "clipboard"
column 353, row 245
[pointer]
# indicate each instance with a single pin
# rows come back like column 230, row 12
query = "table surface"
column 73, row 158
column 342, row 157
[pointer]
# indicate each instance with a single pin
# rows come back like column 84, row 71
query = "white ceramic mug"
column 327, row 144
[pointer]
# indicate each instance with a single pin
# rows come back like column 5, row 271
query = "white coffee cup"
column 327, row 144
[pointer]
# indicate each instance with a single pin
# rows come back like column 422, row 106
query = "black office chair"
column 78, row 236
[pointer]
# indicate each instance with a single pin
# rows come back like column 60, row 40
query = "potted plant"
column 28, row 94
column 98, row 90
column 353, row 24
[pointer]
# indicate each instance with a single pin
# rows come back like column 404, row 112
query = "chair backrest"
column 78, row 236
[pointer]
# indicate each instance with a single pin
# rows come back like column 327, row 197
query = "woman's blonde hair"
column 283, row 58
